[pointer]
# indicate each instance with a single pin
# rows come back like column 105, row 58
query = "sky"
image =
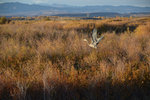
column 142, row 3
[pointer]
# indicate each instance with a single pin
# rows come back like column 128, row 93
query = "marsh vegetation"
column 48, row 60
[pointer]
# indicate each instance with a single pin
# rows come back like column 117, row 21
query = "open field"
column 48, row 60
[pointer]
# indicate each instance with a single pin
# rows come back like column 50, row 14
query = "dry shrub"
column 49, row 60
column 143, row 30
column 13, row 54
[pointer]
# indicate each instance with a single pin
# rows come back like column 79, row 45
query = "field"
column 48, row 60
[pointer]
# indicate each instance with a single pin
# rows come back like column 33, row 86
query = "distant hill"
column 20, row 9
column 102, row 14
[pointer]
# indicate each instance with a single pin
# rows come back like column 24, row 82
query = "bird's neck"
column 87, row 42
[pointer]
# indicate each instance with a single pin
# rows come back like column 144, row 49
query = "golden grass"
column 43, row 60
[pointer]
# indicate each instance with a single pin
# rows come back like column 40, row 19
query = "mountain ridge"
column 22, row 9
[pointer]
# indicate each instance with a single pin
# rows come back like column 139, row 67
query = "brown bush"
column 45, row 60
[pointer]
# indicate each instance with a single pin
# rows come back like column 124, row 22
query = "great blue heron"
column 95, row 40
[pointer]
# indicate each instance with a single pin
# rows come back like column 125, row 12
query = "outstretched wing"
column 94, row 35
column 99, row 39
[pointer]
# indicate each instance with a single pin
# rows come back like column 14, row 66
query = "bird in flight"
column 95, row 40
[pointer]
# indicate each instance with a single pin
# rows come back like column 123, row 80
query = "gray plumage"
column 95, row 40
